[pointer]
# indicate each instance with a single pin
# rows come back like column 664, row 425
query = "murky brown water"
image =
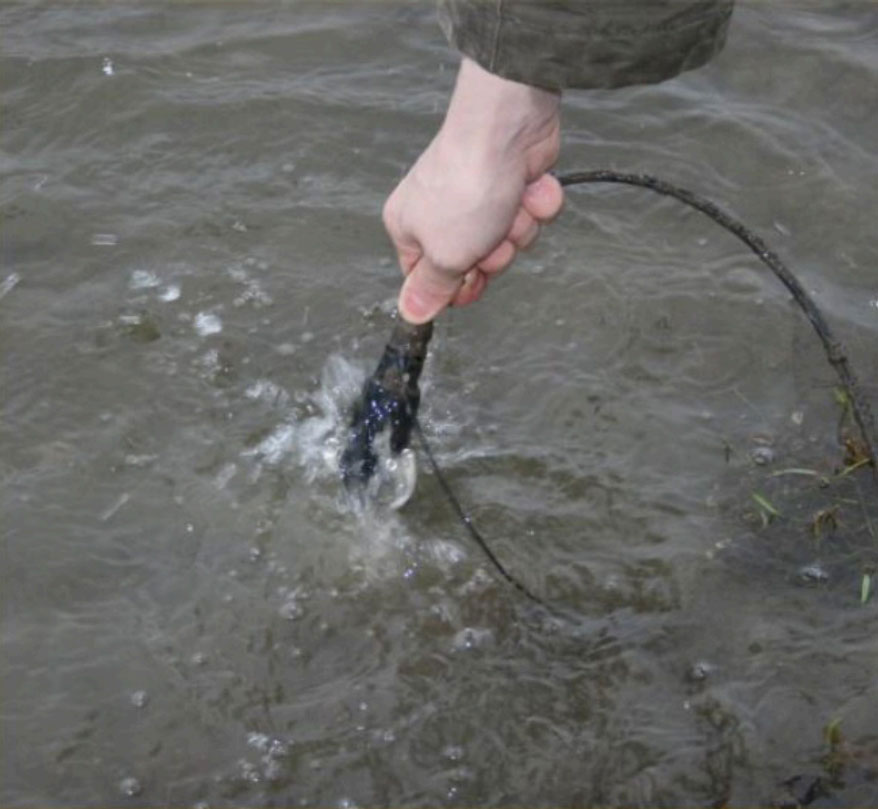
column 194, row 280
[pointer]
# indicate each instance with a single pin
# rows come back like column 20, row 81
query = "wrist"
column 489, row 112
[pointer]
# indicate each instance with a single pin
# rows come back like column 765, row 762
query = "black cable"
column 467, row 520
column 833, row 347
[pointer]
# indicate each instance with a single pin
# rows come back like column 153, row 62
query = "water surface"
column 194, row 282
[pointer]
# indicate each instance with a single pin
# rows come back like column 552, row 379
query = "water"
column 194, row 282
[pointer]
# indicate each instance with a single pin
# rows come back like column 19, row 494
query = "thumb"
column 426, row 291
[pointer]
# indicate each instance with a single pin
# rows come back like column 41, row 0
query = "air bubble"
column 130, row 787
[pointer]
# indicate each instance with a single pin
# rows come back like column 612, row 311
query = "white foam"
column 143, row 279
column 207, row 323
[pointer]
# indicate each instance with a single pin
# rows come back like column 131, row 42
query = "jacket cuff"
column 586, row 43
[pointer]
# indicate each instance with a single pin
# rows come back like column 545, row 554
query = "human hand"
column 478, row 193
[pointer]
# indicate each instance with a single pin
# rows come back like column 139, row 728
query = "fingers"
column 499, row 258
column 427, row 290
column 524, row 230
column 474, row 283
column 543, row 198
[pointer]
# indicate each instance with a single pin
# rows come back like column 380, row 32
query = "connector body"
column 389, row 401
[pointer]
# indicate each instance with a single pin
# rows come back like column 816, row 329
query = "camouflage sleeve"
column 586, row 43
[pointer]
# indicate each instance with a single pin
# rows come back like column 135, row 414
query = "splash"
column 317, row 440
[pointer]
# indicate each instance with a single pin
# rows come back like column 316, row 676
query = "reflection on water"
column 195, row 281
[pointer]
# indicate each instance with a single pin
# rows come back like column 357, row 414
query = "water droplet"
column 224, row 476
column 143, row 279
column 9, row 283
column 170, row 293
column 762, row 455
column 207, row 323
column 130, row 787
column 699, row 671
column 781, row 228
column 260, row 741
column 273, row 768
column 470, row 638
column 139, row 699
column 139, row 461
column 454, row 752
column 291, row 609
column 813, row 574
column 249, row 771
column 121, row 500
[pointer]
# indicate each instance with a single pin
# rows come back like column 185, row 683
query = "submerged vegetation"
column 829, row 509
